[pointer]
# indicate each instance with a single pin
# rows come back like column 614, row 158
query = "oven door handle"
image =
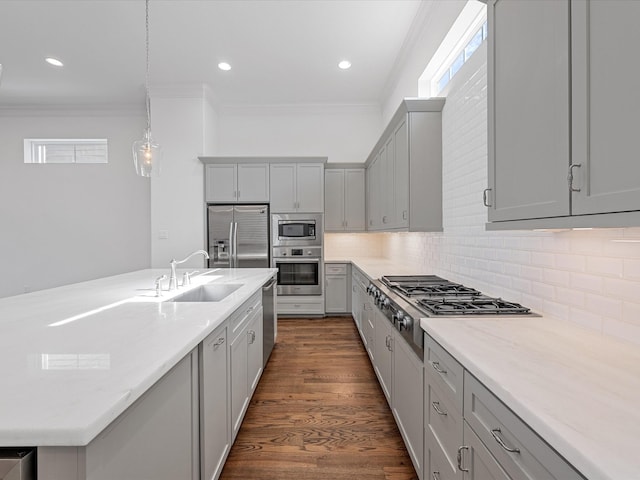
column 296, row 260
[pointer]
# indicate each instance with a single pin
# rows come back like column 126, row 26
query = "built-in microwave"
column 296, row 229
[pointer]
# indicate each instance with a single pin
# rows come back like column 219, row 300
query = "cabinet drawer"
column 238, row 318
column 443, row 370
column 302, row 308
column 443, row 420
column 518, row 449
column 437, row 466
column 335, row 268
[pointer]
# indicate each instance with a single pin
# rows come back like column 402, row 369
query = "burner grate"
column 473, row 306
column 437, row 290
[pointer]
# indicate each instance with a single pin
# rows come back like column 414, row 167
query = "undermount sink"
column 207, row 293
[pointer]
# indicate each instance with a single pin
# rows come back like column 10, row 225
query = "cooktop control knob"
column 385, row 302
column 404, row 322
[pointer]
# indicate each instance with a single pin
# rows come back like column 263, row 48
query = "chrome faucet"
column 173, row 281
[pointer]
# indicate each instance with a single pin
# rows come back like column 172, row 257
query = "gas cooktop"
column 436, row 296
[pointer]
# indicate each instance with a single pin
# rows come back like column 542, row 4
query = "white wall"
column 589, row 277
column 68, row 223
column 341, row 133
column 185, row 127
column 433, row 21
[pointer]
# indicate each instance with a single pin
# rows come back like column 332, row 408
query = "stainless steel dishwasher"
column 269, row 318
column 17, row 464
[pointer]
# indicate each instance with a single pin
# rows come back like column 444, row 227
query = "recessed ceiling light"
column 344, row 64
column 54, row 61
column 224, row 66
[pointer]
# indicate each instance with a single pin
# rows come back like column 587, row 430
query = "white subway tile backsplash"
column 607, row 307
column 586, row 282
column 605, row 266
column 576, row 263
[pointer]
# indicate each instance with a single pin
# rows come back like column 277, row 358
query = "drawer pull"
column 435, row 475
column 437, row 368
column 498, row 439
column 460, row 467
column 436, row 407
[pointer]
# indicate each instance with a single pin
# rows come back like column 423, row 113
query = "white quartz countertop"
column 576, row 388
column 374, row 267
column 73, row 358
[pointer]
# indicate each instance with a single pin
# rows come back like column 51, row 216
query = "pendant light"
column 146, row 153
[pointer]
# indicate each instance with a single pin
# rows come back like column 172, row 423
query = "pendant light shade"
column 146, row 153
column 147, row 156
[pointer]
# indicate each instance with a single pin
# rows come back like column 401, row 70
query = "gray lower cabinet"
column 215, row 425
column 255, row 359
column 471, row 434
column 337, row 298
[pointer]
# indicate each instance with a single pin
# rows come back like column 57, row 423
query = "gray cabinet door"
column 334, row 199
column 401, row 171
column 215, row 431
column 253, row 182
column 477, row 463
column 383, row 363
column 354, row 216
column 282, row 187
column 254, row 350
column 529, row 103
column 408, row 399
column 239, row 381
column 606, row 102
column 310, row 187
column 221, row 182
column 335, row 293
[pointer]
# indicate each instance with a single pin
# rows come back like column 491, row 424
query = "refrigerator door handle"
column 235, row 244
column 230, row 244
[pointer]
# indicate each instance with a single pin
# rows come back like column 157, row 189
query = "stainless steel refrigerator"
column 238, row 236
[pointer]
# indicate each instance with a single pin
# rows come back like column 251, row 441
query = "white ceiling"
column 281, row 51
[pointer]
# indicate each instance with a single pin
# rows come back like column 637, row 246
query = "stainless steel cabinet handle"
column 570, row 177
column 436, row 407
column 252, row 336
column 485, row 197
column 460, row 467
column 217, row 343
column 404, row 214
column 384, row 219
column 437, row 368
column 435, row 476
column 498, row 439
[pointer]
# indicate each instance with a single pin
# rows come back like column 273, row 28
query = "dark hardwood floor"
column 318, row 412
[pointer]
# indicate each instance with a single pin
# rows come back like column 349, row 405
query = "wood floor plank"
column 318, row 412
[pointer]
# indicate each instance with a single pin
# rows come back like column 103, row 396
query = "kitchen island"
column 78, row 357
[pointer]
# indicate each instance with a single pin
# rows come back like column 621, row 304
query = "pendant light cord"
column 146, row 81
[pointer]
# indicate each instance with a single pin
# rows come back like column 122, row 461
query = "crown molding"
column 298, row 109
column 72, row 110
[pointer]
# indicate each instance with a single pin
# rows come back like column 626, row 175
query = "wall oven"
column 296, row 229
column 299, row 270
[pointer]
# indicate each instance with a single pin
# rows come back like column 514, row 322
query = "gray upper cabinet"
column 237, row 182
column 404, row 170
column 562, row 106
column 344, row 199
column 297, row 187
